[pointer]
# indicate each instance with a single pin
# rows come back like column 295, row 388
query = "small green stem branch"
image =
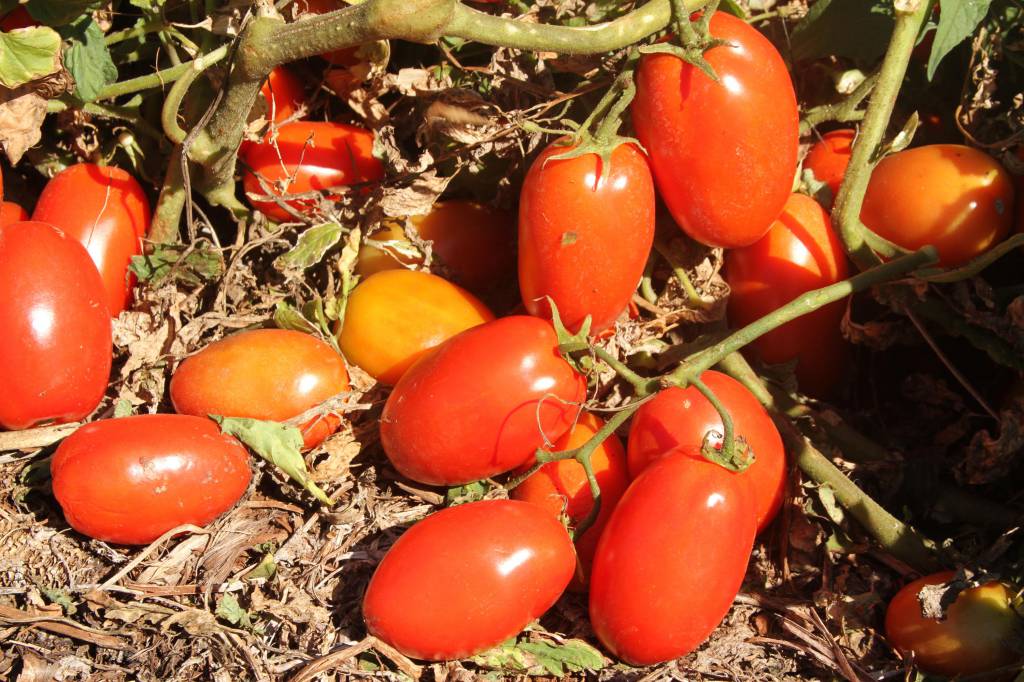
column 641, row 384
column 843, row 112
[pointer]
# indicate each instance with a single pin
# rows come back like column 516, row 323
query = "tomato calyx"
column 696, row 38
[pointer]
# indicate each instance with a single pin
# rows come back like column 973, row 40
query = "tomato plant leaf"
column 957, row 21
column 28, row 54
column 857, row 29
column 468, row 492
column 310, row 249
column 59, row 13
column 265, row 569
column 230, row 610
column 55, row 595
column 287, row 316
column 88, row 59
column 542, row 658
column 192, row 266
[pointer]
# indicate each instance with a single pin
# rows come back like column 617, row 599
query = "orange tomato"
column 396, row 316
column 830, row 156
column 11, row 212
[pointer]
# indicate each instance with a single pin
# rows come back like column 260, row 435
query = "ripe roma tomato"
column 976, row 635
column 671, row 559
column 467, row 578
column 562, row 487
column 272, row 374
column 55, row 350
column 476, row 242
column 481, row 403
column 309, row 156
column 107, row 211
column 799, row 253
column 584, row 239
column 830, row 156
column 678, row 418
column 284, row 94
column 956, row 198
column 395, row 317
column 131, row 480
column 11, row 212
column 723, row 154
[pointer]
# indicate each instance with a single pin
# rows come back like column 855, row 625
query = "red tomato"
column 284, row 94
column 467, row 578
column 17, row 18
column 131, row 480
column 343, row 57
column 308, row 156
column 724, row 154
column 830, row 156
column 272, row 374
column 481, row 403
column 583, row 239
column 671, row 559
column 976, row 635
column 799, row 253
column 55, row 350
column 562, row 487
column 956, row 198
column 107, row 211
column 11, row 212
column 678, row 418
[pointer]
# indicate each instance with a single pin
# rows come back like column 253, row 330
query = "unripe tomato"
column 56, row 348
column 481, row 403
column 562, row 487
column 344, row 57
column 11, row 212
column 977, row 635
column 799, row 253
column 830, row 156
column 105, row 209
column 131, row 480
column 395, row 317
column 679, row 419
column 272, row 374
column 723, row 154
column 671, row 559
column 308, row 156
column 467, row 578
column 284, row 94
column 958, row 199
column 583, row 238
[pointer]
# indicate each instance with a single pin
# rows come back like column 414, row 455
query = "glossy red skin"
column 475, row 406
column 801, row 252
column 671, row 559
column 320, row 155
column 17, row 18
column 105, row 209
column 273, row 374
column 55, row 350
column 284, row 94
column 11, row 212
column 679, row 418
column 584, row 239
column 129, row 481
column 830, row 156
column 467, row 578
column 723, row 154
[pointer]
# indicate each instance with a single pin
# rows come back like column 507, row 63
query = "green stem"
column 159, row 78
column 167, row 215
column 610, row 426
column 135, row 32
column 844, row 112
column 638, row 382
column 172, row 104
column 727, row 457
column 625, row 89
column 692, row 295
column 595, row 492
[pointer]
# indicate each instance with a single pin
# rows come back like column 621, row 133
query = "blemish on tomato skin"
column 569, row 238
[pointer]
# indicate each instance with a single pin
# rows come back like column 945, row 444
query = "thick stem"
column 167, row 216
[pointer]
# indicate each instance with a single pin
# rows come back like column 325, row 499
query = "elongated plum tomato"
column 562, row 487
column 467, row 578
column 55, row 350
column 481, row 403
column 976, row 636
column 11, row 212
column 273, row 374
column 656, row 591
column 283, row 93
column 585, row 232
column 723, row 154
column 800, row 253
column 956, row 198
column 830, row 156
column 309, row 156
column 131, row 480
column 105, row 209
column 679, row 418
column 395, row 317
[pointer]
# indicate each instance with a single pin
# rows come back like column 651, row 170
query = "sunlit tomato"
column 977, row 634
column 583, row 238
column 394, row 317
column 343, row 57
column 956, row 198
column 671, row 559
column 481, row 403
column 467, row 578
column 131, row 480
column 562, row 487
column 308, row 156
column 105, row 209
column 11, row 212
column 474, row 241
column 17, row 18
column 678, row 418
column 272, row 374
column 799, row 253
column 55, row 350
column 284, row 94
column 723, row 154
column 830, row 156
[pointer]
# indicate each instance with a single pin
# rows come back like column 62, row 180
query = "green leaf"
column 88, row 59
column 858, row 29
column 311, row 247
column 123, row 408
column 542, row 658
column 278, row 444
column 265, row 569
column 469, row 492
column 193, row 266
column 287, row 316
column 957, row 21
column 28, row 54
column 60, row 12
column 55, row 595
column 230, row 610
